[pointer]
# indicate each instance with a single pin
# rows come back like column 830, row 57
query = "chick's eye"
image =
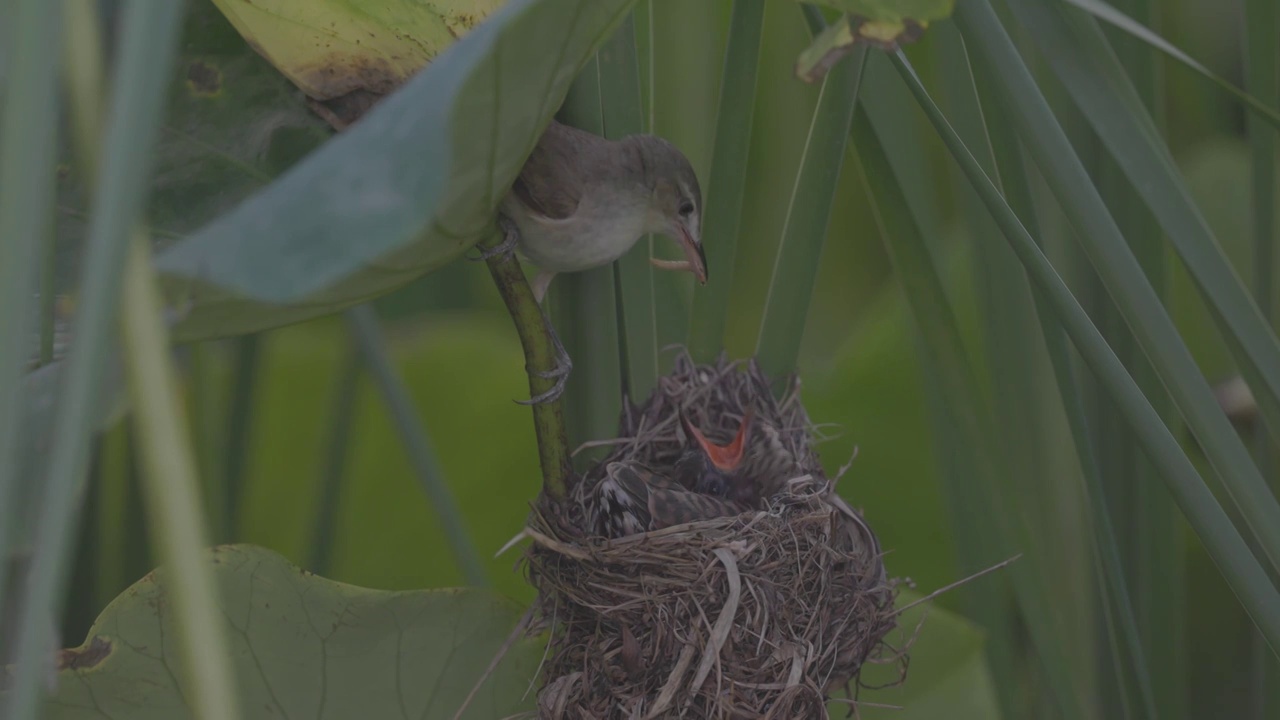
column 713, row 486
column 686, row 208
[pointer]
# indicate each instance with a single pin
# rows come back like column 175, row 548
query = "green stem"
column 239, row 430
column 148, row 43
column 172, row 493
column 339, row 444
column 27, row 191
column 539, row 356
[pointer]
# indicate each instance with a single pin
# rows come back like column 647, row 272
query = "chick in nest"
column 708, row 480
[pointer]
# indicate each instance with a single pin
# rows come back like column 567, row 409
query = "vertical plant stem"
column 148, row 41
column 722, row 216
column 239, row 429
column 339, row 444
column 1262, row 80
column 27, row 159
column 809, row 209
column 540, row 357
column 48, row 294
column 369, row 338
column 172, row 495
column 622, row 115
column 584, row 305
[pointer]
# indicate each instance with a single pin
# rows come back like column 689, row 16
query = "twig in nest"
column 956, row 584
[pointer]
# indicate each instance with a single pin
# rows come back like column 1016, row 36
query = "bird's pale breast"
column 591, row 237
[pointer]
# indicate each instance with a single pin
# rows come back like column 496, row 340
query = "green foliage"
column 286, row 253
column 934, row 349
column 302, row 646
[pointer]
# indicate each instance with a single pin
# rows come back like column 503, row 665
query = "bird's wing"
column 634, row 499
column 546, row 185
column 676, row 507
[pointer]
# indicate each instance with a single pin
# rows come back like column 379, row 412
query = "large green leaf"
column 404, row 191
column 302, row 646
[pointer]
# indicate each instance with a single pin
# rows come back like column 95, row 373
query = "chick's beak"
column 695, row 259
column 724, row 457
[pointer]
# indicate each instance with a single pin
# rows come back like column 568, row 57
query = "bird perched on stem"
column 582, row 201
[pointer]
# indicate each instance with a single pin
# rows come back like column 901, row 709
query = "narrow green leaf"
column 623, row 115
column 368, row 337
column 1117, row 19
column 239, row 429
column 1018, row 322
column 722, row 217
column 170, row 481
column 147, row 45
column 1109, row 102
column 172, row 491
column 685, row 62
column 1153, row 533
column 808, row 210
column 584, row 308
column 27, row 151
column 333, row 471
column 1223, row 542
column 1123, row 277
column 1262, row 78
column 48, row 296
column 963, row 417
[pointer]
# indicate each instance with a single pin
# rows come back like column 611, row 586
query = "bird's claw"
column 560, row 373
column 502, row 249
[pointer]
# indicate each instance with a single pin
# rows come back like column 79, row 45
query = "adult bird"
column 582, row 201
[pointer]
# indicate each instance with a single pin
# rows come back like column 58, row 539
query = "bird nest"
column 763, row 613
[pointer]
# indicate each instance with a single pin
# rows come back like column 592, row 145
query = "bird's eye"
column 686, row 208
column 714, row 485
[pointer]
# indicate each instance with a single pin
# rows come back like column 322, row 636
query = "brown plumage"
column 633, row 499
column 582, row 201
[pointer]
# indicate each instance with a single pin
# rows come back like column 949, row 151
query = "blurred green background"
column 281, row 470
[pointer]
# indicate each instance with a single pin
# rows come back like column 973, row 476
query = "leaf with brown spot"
column 329, row 48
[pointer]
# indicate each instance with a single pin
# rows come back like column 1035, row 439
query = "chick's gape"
column 706, row 481
column 582, row 201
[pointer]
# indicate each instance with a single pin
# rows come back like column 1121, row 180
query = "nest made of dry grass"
column 759, row 615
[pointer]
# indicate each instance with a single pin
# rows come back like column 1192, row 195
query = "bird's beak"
column 724, row 457
column 695, row 259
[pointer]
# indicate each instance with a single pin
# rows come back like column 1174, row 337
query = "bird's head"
column 715, row 469
column 675, row 207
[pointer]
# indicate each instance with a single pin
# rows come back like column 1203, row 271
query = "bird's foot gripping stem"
column 560, row 373
column 505, row 248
